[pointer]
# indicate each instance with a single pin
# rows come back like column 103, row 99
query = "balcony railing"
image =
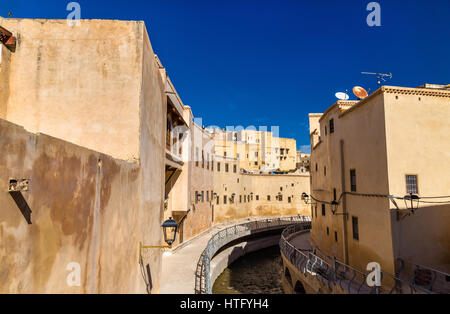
column 203, row 283
column 353, row 281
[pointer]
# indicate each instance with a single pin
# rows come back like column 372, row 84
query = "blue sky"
column 257, row 62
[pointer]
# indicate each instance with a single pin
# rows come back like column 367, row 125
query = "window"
column 334, row 194
column 281, row 188
column 240, row 198
column 289, row 199
column 317, row 167
column 355, row 228
column 280, row 197
column 328, row 231
column 257, row 197
column 212, row 164
column 197, row 156
column 323, row 209
column 196, row 197
column 331, row 126
column 207, row 162
column 234, row 168
column 218, row 167
column 226, row 167
column 224, row 154
column 224, row 199
column 335, row 236
column 326, row 130
column 207, row 196
column 268, row 197
column 238, row 180
column 203, row 196
column 316, row 211
column 203, row 159
column 256, row 163
column 353, row 180
column 325, row 170
column 411, row 184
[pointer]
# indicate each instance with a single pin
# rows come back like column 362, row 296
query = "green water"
column 259, row 272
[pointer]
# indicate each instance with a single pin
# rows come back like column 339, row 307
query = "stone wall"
column 83, row 207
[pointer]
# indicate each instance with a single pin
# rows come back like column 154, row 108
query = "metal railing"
column 203, row 283
column 335, row 273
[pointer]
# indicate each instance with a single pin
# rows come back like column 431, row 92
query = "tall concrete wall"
column 81, row 84
column 86, row 207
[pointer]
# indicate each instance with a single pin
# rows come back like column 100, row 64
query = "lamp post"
column 170, row 228
column 413, row 198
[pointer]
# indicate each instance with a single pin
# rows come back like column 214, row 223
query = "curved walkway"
column 179, row 265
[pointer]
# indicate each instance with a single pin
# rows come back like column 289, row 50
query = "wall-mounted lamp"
column 170, row 227
column 413, row 200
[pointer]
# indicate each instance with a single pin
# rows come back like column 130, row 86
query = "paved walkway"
column 180, row 263
column 301, row 241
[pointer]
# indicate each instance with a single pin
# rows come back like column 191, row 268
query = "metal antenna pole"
column 380, row 76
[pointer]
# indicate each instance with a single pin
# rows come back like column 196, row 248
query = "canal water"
column 258, row 272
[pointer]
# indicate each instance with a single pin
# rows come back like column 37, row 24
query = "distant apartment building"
column 379, row 182
column 257, row 151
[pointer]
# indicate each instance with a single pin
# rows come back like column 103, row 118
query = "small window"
column 197, row 156
column 226, row 167
column 316, row 210
column 218, row 199
column 196, row 197
column 238, row 180
column 334, row 194
column 257, row 197
column 335, row 236
column 207, row 196
column 268, row 197
column 218, row 167
column 280, row 198
column 323, row 209
column 203, row 196
column 328, row 231
column 289, row 199
column 411, row 184
column 234, row 168
column 331, row 126
column 317, row 167
column 355, row 228
column 325, row 170
column 353, row 180
column 224, row 199
column 224, row 154
column 240, row 198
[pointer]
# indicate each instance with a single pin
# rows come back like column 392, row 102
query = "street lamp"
column 413, row 198
column 305, row 198
column 170, row 227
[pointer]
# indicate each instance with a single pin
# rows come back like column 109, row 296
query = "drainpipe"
column 344, row 204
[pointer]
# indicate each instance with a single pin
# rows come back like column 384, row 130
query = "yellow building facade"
column 366, row 156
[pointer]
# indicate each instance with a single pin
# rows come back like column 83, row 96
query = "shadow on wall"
column 22, row 204
column 146, row 275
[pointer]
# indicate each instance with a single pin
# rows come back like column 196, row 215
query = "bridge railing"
column 203, row 283
column 335, row 273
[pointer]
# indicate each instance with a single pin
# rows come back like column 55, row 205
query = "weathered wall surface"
column 251, row 193
column 81, row 84
column 153, row 112
column 418, row 143
column 5, row 62
column 85, row 208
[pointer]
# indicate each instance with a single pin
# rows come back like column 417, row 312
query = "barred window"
column 355, row 228
column 353, row 180
column 411, row 184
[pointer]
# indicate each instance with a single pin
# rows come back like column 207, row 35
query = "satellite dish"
column 360, row 92
column 342, row 96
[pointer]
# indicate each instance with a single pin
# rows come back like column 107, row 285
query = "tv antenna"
column 380, row 76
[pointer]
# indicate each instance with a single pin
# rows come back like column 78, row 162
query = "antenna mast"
column 380, row 76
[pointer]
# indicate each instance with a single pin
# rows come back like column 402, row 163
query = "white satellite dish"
column 342, row 96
